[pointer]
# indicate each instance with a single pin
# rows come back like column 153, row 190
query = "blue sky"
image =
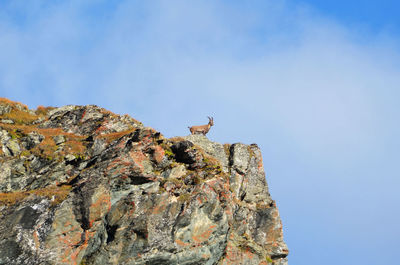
column 314, row 83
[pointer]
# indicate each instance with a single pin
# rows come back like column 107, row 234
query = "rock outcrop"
column 81, row 185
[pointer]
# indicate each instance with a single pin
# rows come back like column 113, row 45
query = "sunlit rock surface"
column 81, row 185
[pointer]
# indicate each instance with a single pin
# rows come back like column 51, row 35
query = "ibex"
column 202, row 128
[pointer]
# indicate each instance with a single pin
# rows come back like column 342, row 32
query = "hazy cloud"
column 321, row 99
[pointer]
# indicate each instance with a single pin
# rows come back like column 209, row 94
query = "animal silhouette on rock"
column 202, row 129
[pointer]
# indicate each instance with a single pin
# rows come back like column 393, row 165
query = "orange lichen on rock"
column 14, row 104
column 239, row 255
column 73, row 245
column 110, row 137
column 158, row 154
column 42, row 111
column 181, row 243
column 203, row 235
column 138, row 157
column 36, row 239
column 53, row 193
column 17, row 112
column 20, row 117
column 74, row 146
column 160, row 207
column 99, row 207
column 47, row 148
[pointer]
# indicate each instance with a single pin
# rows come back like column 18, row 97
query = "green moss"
column 268, row 259
column 227, row 149
column 167, row 150
column 177, row 182
column 213, row 166
column 84, row 261
column 15, row 134
column 198, row 180
column 80, row 156
column 162, row 182
column 263, row 205
column 251, row 152
column 169, row 153
column 184, row 197
column 25, row 153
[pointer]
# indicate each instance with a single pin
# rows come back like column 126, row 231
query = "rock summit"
column 82, row 185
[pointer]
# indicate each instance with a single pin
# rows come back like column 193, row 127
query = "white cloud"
column 321, row 99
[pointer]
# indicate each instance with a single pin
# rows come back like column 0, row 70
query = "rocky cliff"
column 81, row 185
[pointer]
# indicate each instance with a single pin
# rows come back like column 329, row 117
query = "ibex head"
column 210, row 121
column 203, row 129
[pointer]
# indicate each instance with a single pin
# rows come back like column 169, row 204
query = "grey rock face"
column 214, row 149
column 81, row 185
column 5, row 108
